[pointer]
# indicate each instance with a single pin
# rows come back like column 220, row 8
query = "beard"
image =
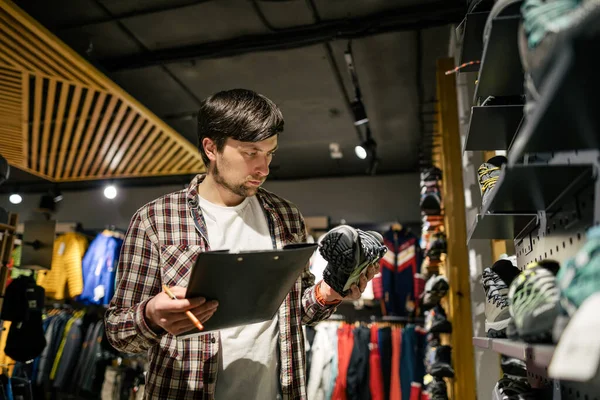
column 239, row 189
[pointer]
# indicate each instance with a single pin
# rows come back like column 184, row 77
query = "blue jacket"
column 99, row 269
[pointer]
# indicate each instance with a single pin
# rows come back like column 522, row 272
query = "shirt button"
column 213, row 340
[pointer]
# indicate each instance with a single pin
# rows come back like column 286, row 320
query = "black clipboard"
column 250, row 285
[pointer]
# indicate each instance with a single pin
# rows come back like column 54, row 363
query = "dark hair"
column 239, row 114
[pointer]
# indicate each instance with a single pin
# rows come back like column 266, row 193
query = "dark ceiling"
column 171, row 54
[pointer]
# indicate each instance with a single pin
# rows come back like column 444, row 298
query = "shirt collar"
column 192, row 194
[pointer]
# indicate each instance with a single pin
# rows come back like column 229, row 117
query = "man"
column 224, row 209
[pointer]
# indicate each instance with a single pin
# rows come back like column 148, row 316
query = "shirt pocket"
column 176, row 263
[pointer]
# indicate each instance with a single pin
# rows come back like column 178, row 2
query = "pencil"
column 189, row 314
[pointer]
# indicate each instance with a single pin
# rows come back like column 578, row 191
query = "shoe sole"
column 442, row 371
column 340, row 249
column 441, row 327
column 496, row 329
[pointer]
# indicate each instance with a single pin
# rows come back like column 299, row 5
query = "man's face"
column 242, row 167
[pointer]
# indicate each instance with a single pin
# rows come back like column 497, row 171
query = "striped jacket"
column 159, row 248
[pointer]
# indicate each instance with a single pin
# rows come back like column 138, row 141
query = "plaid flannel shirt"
column 162, row 242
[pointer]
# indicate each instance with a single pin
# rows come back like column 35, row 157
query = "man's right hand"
column 168, row 314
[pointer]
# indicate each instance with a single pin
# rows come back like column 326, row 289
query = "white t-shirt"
column 249, row 358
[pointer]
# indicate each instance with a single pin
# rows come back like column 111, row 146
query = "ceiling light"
column 110, row 192
column 15, row 198
column 361, row 152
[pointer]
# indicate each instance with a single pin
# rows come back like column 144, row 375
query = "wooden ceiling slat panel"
column 167, row 159
column 91, row 155
column 136, row 164
column 28, row 41
column 75, row 149
column 108, row 138
column 37, row 111
column 9, row 106
column 14, row 50
column 117, row 142
column 182, row 162
column 46, row 38
column 10, row 89
column 10, row 97
column 15, row 59
column 58, row 124
column 135, row 149
column 177, row 159
column 25, row 119
column 12, row 72
column 122, row 149
column 89, row 132
column 131, row 141
column 67, row 133
column 47, row 124
column 158, row 156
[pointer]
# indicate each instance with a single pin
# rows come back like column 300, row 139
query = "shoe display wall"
column 535, row 53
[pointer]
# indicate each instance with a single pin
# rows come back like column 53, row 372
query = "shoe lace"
column 494, row 284
column 487, row 183
column 372, row 248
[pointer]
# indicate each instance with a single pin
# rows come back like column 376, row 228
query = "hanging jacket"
column 99, row 269
column 398, row 268
column 69, row 249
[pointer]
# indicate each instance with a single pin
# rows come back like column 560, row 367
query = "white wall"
column 355, row 199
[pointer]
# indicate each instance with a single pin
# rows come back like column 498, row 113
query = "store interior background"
column 396, row 71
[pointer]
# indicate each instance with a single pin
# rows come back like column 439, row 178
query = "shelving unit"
column 498, row 226
column 538, row 354
column 493, row 127
column 472, row 34
column 545, row 206
column 532, row 188
column 566, row 116
column 500, row 72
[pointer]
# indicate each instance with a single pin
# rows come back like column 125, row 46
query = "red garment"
column 345, row 345
column 415, row 391
column 377, row 287
column 395, row 388
column 375, row 374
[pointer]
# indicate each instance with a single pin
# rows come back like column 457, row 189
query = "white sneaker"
column 496, row 307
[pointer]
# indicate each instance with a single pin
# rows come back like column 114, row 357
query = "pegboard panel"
column 563, row 233
column 577, row 391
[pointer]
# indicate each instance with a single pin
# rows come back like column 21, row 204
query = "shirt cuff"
column 321, row 300
column 142, row 325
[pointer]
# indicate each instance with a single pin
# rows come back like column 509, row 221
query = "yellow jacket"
column 69, row 249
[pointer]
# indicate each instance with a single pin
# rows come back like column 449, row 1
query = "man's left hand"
column 356, row 291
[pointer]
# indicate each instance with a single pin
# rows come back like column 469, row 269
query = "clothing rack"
column 375, row 318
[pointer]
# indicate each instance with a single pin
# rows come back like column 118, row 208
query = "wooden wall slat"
column 91, row 155
column 47, row 124
column 108, row 137
column 58, row 124
column 167, row 159
column 25, row 118
column 123, row 130
column 135, row 150
column 122, row 149
column 75, row 149
column 37, row 111
column 89, row 132
column 68, row 131
column 138, row 161
column 185, row 158
column 158, row 155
